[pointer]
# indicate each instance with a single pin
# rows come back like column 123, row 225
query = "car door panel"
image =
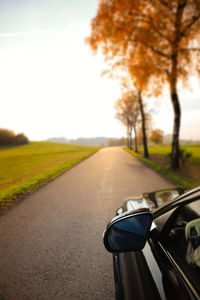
column 136, row 277
column 153, row 274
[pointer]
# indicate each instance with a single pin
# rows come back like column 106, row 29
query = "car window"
column 183, row 241
column 166, row 196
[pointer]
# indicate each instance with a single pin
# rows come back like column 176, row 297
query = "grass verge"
column 26, row 168
column 172, row 176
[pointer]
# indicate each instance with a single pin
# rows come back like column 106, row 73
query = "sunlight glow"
column 51, row 83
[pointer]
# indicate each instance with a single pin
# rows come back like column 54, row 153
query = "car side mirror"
column 128, row 231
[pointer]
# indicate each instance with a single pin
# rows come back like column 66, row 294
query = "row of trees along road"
column 129, row 112
column 157, row 41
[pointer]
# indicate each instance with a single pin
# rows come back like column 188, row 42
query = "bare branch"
column 183, row 33
column 166, row 4
column 151, row 47
column 159, row 52
column 167, row 72
column 189, row 49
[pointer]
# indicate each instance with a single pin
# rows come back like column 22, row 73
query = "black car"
column 156, row 248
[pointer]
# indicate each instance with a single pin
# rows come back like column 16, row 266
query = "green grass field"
column 188, row 176
column 164, row 150
column 24, row 168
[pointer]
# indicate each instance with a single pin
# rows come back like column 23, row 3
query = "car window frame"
column 164, row 239
column 165, row 216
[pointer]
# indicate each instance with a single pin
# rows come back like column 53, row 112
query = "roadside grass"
column 189, row 174
column 166, row 149
column 25, row 168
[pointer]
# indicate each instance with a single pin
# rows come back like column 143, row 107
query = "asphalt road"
column 51, row 242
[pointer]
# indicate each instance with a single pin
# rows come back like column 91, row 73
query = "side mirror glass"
column 128, row 232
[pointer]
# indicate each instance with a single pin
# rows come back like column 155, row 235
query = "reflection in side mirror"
column 128, row 232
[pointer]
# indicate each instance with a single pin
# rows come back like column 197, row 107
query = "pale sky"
column 50, row 83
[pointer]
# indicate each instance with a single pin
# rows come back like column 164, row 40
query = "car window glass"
column 183, row 241
column 166, row 196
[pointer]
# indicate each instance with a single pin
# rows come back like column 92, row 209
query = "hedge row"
column 8, row 137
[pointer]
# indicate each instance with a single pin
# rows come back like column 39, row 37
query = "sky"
column 51, row 84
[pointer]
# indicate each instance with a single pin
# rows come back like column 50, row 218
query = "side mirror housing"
column 128, row 231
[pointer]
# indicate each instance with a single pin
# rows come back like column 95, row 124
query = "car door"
column 161, row 270
column 180, row 245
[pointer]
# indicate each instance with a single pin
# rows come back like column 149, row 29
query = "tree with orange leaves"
column 157, row 136
column 127, row 108
column 159, row 38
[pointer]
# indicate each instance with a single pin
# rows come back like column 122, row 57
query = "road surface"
column 51, row 242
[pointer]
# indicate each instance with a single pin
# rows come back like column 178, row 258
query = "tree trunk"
column 173, row 84
column 135, row 131
column 128, row 144
column 176, row 128
column 146, row 153
column 130, row 135
column 127, row 141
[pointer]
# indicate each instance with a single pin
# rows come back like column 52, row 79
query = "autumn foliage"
column 8, row 137
column 158, row 40
column 157, row 136
column 127, row 108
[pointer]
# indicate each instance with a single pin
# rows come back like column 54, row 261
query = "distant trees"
column 160, row 41
column 148, row 127
column 127, row 108
column 131, row 112
column 8, row 137
column 157, row 136
column 117, row 142
column 21, row 139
